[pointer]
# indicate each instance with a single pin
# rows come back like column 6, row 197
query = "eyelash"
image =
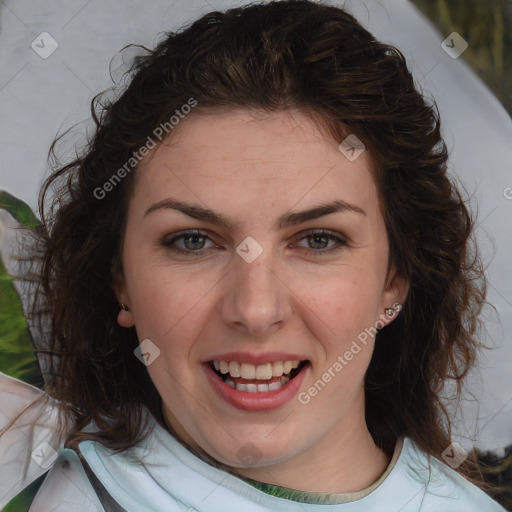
column 316, row 252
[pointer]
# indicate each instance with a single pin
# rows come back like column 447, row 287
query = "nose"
column 258, row 300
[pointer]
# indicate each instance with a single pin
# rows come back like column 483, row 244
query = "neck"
column 345, row 460
column 343, row 463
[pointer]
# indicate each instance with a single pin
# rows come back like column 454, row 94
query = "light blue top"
column 172, row 479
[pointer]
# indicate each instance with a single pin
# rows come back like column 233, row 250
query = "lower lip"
column 259, row 401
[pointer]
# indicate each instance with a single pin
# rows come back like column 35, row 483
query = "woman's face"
column 248, row 294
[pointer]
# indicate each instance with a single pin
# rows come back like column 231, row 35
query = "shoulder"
column 444, row 488
column 66, row 487
column 32, row 430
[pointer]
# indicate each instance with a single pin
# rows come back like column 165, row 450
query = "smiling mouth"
column 257, row 379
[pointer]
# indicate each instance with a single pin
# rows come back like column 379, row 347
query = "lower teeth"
column 257, row 388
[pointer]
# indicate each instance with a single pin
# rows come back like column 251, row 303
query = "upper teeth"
column 259, row 372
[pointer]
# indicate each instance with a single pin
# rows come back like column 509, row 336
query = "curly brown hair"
column 295, row 54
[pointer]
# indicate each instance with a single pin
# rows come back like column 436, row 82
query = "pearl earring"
column 395, row 309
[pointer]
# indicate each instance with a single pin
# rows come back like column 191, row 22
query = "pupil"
column 319, row 237
column 195, row 237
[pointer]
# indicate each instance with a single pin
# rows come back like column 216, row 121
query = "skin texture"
column 253, row 169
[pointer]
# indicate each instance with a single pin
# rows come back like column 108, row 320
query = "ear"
column 125, row 317
column 393, row 297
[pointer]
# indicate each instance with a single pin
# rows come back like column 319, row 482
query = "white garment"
column 174, row 479
column 33, row 434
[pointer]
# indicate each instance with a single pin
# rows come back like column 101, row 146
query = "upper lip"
column 250, row 358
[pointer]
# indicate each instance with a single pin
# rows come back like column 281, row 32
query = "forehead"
column 243, row 158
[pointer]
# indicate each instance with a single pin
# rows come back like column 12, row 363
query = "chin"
column 253, row 453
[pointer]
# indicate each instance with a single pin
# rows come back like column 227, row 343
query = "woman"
column 260, row 277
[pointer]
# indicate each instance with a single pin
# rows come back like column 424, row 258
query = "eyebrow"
column 288, row 219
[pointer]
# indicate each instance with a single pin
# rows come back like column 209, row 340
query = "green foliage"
column 17, row 357
column 487, row 27
column 19, row 210
column 22, row 501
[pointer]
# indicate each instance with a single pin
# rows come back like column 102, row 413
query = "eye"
column 193, row 242
column 320, row 238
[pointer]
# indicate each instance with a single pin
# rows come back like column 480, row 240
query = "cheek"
column 163, row 294
column 347, row 308
column 170, row 309
column 350, row 300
